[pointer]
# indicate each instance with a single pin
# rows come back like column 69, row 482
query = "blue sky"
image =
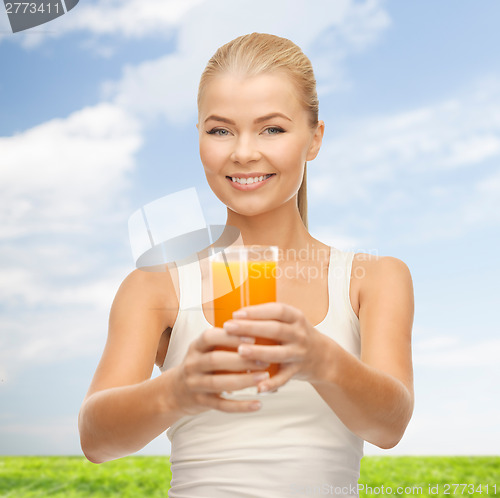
column 97, row 117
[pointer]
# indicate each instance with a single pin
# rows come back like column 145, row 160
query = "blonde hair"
column 258, row 53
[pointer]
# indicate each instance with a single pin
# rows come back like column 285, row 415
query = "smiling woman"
column 341, row 328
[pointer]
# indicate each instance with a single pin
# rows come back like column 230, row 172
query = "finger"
column 267, row 354
column 217, row 383
column 269, row 311
column 216, row 402
column 284, row 374
column 215, row 336
column 270, row 329
column 218, row 360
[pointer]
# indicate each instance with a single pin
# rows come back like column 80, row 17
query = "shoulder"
column 371, row 274
column 370, row 265
column 140, row 313
column 149, row 290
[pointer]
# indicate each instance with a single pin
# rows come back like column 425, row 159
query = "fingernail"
column 261, row 376
column 248, row 340
column 230, row 326
column 256, row 405
column 261, row 364
column 239, row 314
column 244, row 350
column 263, row 388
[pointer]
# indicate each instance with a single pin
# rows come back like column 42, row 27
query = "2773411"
column 33, row 8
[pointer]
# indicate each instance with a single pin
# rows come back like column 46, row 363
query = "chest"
column 304, row 285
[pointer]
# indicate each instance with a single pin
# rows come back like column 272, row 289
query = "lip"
column 251, row 186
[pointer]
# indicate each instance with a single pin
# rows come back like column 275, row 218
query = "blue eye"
column 274, row 130
column 221, row 132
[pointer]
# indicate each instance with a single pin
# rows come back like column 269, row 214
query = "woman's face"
column 255, row 131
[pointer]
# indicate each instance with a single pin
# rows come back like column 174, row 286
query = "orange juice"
column 242, row 283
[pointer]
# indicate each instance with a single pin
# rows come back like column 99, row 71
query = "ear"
column 316, row 141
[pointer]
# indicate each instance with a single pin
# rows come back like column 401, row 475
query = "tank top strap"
column 189, row 286
column 190, row 321
column 339, row 283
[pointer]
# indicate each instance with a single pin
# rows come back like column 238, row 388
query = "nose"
column 245, row 150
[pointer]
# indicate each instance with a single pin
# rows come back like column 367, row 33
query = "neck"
column 283, row 227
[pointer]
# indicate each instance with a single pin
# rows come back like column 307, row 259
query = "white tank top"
column 294, row 445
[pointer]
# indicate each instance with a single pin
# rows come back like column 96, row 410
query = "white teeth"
column 249, row 181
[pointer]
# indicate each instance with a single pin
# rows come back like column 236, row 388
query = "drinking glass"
column 243, row 276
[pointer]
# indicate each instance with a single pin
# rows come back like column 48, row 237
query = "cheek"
column 207, row 161
column 290, row 154
column 211, row 157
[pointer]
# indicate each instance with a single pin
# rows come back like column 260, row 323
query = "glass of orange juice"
column 243, row 276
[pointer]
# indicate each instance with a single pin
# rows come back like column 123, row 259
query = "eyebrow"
column 258, row 120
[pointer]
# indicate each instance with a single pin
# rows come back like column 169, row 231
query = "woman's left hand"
column 300, row 349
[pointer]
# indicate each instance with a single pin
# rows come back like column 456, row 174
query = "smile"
column 249, row 183
column 246, row 181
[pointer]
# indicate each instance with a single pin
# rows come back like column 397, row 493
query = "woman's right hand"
column 198, row 382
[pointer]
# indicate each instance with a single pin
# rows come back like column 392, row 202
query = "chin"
column 246, row 211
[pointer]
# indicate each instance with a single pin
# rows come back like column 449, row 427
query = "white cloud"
column 445, row 136
column 51, row 334
column 485, row 203
column 490, row 185
column 65, row 170
column 129, row 18
column 61, row 185
column 450, row 352
column 455, row 384
column 408, row 168
column 32, row 288
column 473, row 149
column 356, row 24
column 164, row 87
column 132, row 19
column 168, row 86
column 453, row 426
column 4, row 24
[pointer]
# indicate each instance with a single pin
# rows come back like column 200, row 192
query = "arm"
column 118, row 421
column 124, row 408
column 373, row 395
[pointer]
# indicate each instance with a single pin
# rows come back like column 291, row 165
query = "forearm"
column 372, row 404
column 119, row 421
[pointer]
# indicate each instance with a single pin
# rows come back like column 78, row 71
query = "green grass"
column 420, row 472
column 71, row 477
